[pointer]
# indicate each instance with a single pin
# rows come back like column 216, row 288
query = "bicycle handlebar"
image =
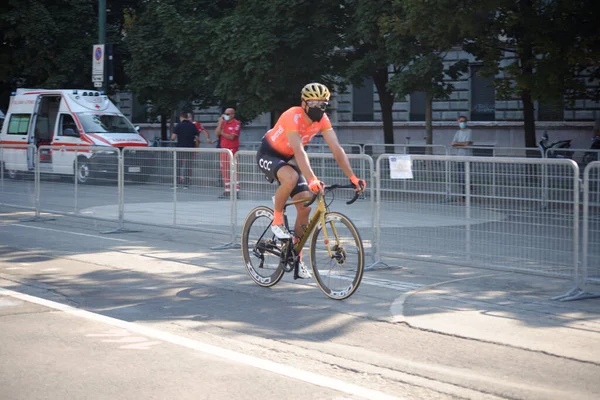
column 333, row 187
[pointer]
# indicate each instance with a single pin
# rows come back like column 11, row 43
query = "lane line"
column 220, row 352
column 69, row 232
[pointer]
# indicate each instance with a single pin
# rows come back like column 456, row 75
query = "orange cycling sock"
column 277, row 218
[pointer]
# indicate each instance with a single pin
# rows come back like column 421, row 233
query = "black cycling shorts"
column 269, row 161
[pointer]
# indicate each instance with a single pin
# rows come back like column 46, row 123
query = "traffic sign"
column 97, row 78
column 98, row 59
column 97, row 84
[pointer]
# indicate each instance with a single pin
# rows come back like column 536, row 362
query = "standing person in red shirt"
column 200, row 129
column 228, row 134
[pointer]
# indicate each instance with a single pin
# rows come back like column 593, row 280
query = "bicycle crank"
column 286, row 257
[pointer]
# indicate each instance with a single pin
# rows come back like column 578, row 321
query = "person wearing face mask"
column 282, row 158
column 462, row 139
column 228, row 135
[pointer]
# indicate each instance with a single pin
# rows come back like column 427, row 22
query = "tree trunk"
column 172, row 121
column 163, row 126
column 526, row 60
column 528, row 118
column 386, row 100
column 428, row 121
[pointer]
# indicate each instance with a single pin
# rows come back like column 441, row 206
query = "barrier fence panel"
column 495, row 151
column 180, row 187
column 258, row 191
column 377, row 149
column 581, row 156
column 250, row 145
column 17, row 180
column 590, row 263
column 79, row 180
column 507, row 220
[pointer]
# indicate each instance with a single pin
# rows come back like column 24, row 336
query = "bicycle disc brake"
column 339, row 254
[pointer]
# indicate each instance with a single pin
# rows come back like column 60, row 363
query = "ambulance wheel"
column 82, row 173
column 12, row 174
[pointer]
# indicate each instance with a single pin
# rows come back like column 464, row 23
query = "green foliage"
column 46, row 43
column 167, row 42
column 262, row 53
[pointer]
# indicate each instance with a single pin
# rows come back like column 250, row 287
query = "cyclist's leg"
column 288, row 178
column 276, row 168
column 301, row 192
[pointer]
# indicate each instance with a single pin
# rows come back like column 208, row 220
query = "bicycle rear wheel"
column 260, row 248
column 339, row 274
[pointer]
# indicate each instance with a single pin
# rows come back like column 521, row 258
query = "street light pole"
column 102, row 33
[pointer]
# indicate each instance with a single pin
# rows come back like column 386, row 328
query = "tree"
column 536, row 49
column 46, row 43
column 263, row 53
column 418, row 59
column 168, row 65
column 367, row 53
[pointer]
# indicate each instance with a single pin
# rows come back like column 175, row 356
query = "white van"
column 66, row 118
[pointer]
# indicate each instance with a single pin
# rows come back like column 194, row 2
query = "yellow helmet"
column 315, row 91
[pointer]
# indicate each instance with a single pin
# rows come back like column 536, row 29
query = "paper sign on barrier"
column 400, row 167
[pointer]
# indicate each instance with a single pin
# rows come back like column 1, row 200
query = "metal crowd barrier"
column 17, row 178
column 590, row 241
column 181, row 187
column 376, row 149
column 524, row 226
column 517, row 214
column 495, row 151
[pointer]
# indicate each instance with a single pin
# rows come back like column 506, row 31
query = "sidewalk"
column 502, row 307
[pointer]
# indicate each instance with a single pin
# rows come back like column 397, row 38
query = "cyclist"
column 281, row 157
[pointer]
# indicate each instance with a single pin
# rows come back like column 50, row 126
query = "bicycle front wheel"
column 260, row 248
column 337, row 256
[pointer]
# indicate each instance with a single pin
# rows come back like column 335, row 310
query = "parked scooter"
column 556, row 149
column 590, row 156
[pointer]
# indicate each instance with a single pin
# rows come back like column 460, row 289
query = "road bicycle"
column 336, row 249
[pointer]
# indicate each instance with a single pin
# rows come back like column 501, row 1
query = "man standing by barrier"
column 463, row 138
column 186, row 135
column 228, row 133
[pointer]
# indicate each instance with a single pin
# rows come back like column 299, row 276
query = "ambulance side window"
column 19, row 124
column 67, row 122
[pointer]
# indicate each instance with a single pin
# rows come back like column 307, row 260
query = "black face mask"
column 315, row 113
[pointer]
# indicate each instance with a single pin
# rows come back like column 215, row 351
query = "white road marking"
column 68, row 232
column 223, row 353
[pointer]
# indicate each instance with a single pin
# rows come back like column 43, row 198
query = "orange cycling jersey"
column 293, row 121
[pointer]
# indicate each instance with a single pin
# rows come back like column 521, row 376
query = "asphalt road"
column 158, row 314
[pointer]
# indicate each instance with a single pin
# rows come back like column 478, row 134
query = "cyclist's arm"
column 301, row 156
column 338, row 152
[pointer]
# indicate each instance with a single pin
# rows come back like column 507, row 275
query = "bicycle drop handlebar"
column 333, row 187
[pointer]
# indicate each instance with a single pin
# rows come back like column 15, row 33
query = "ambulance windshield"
column 105, row 123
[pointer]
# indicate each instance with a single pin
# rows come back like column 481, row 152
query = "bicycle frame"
column 318, row 216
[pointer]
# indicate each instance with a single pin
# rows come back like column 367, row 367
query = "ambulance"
column 69, row 118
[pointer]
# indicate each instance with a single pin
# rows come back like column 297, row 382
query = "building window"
column 362, row 101
column 417, row 106
column 551, row 111
column 483, row 96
